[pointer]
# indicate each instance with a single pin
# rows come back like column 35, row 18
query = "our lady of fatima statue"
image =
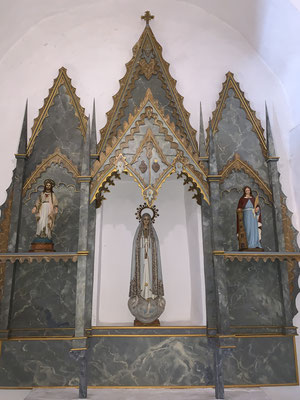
column 146, row 291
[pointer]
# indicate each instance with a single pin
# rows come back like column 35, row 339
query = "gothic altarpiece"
column 46, row 297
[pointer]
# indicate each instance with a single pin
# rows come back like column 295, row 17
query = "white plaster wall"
column 182, row 265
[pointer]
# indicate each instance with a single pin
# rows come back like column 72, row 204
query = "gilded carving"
column 121, row 139
column 104, row 188
column 56, row 158
column 4, row 237
column 147, row 44
column 148, row 69
column 290, row 257
column 155, row 112
column 30, row 257
column 62, row 79
column 231, row 83
column 237, row 164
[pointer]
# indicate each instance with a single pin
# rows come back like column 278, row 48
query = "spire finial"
column 147, row 17
column 202, row 148
column 23, row 138
column 270, row 141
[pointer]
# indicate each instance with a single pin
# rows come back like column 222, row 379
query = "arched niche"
column 180, row 234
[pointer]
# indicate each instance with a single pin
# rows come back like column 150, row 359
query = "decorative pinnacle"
column 147, row 17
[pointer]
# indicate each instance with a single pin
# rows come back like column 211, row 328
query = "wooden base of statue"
column 256, row 249
column 41, row 247
column 139, row 323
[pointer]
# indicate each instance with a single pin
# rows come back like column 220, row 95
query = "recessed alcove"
column 180, row 235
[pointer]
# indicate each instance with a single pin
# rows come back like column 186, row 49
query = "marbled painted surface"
column 147, row 361
column 231, row 190
column 44, row 295
column 28, row 363
column 261, row 360
column 34, row 332
column 60, row 129
column 150, row 361
column 149, row 330
column 254, row 293
column 65, row 233
column 235, row 135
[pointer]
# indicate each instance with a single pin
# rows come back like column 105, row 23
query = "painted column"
column 279, row 235
column 16, row 215
column 78, row 352
column 91, row 231
column 221, row 297
column 210, row 288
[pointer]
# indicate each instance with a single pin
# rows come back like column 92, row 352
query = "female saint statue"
column 249, row 221
column 146, row 291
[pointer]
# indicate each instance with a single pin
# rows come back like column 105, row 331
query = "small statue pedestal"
column 146, row 312
column 139, row 323
column 255, row 249
column 39, row 245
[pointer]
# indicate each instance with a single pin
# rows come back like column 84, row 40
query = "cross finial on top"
column 147, row 17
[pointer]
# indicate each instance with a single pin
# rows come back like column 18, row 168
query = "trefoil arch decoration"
column 148, row 131
column 237, row 164
column 55, row 158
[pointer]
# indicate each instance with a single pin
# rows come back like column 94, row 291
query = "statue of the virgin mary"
column 146, row 291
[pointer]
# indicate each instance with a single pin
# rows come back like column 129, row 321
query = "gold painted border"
column 153, row 335
column 295, row 256
column 148, row 327
column 62, row 79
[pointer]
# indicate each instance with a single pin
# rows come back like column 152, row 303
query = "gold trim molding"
column 62, row 79
column 243, row 255
column 30, row 257
column 56, row 158
column 237, row 164
column 231, row 83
